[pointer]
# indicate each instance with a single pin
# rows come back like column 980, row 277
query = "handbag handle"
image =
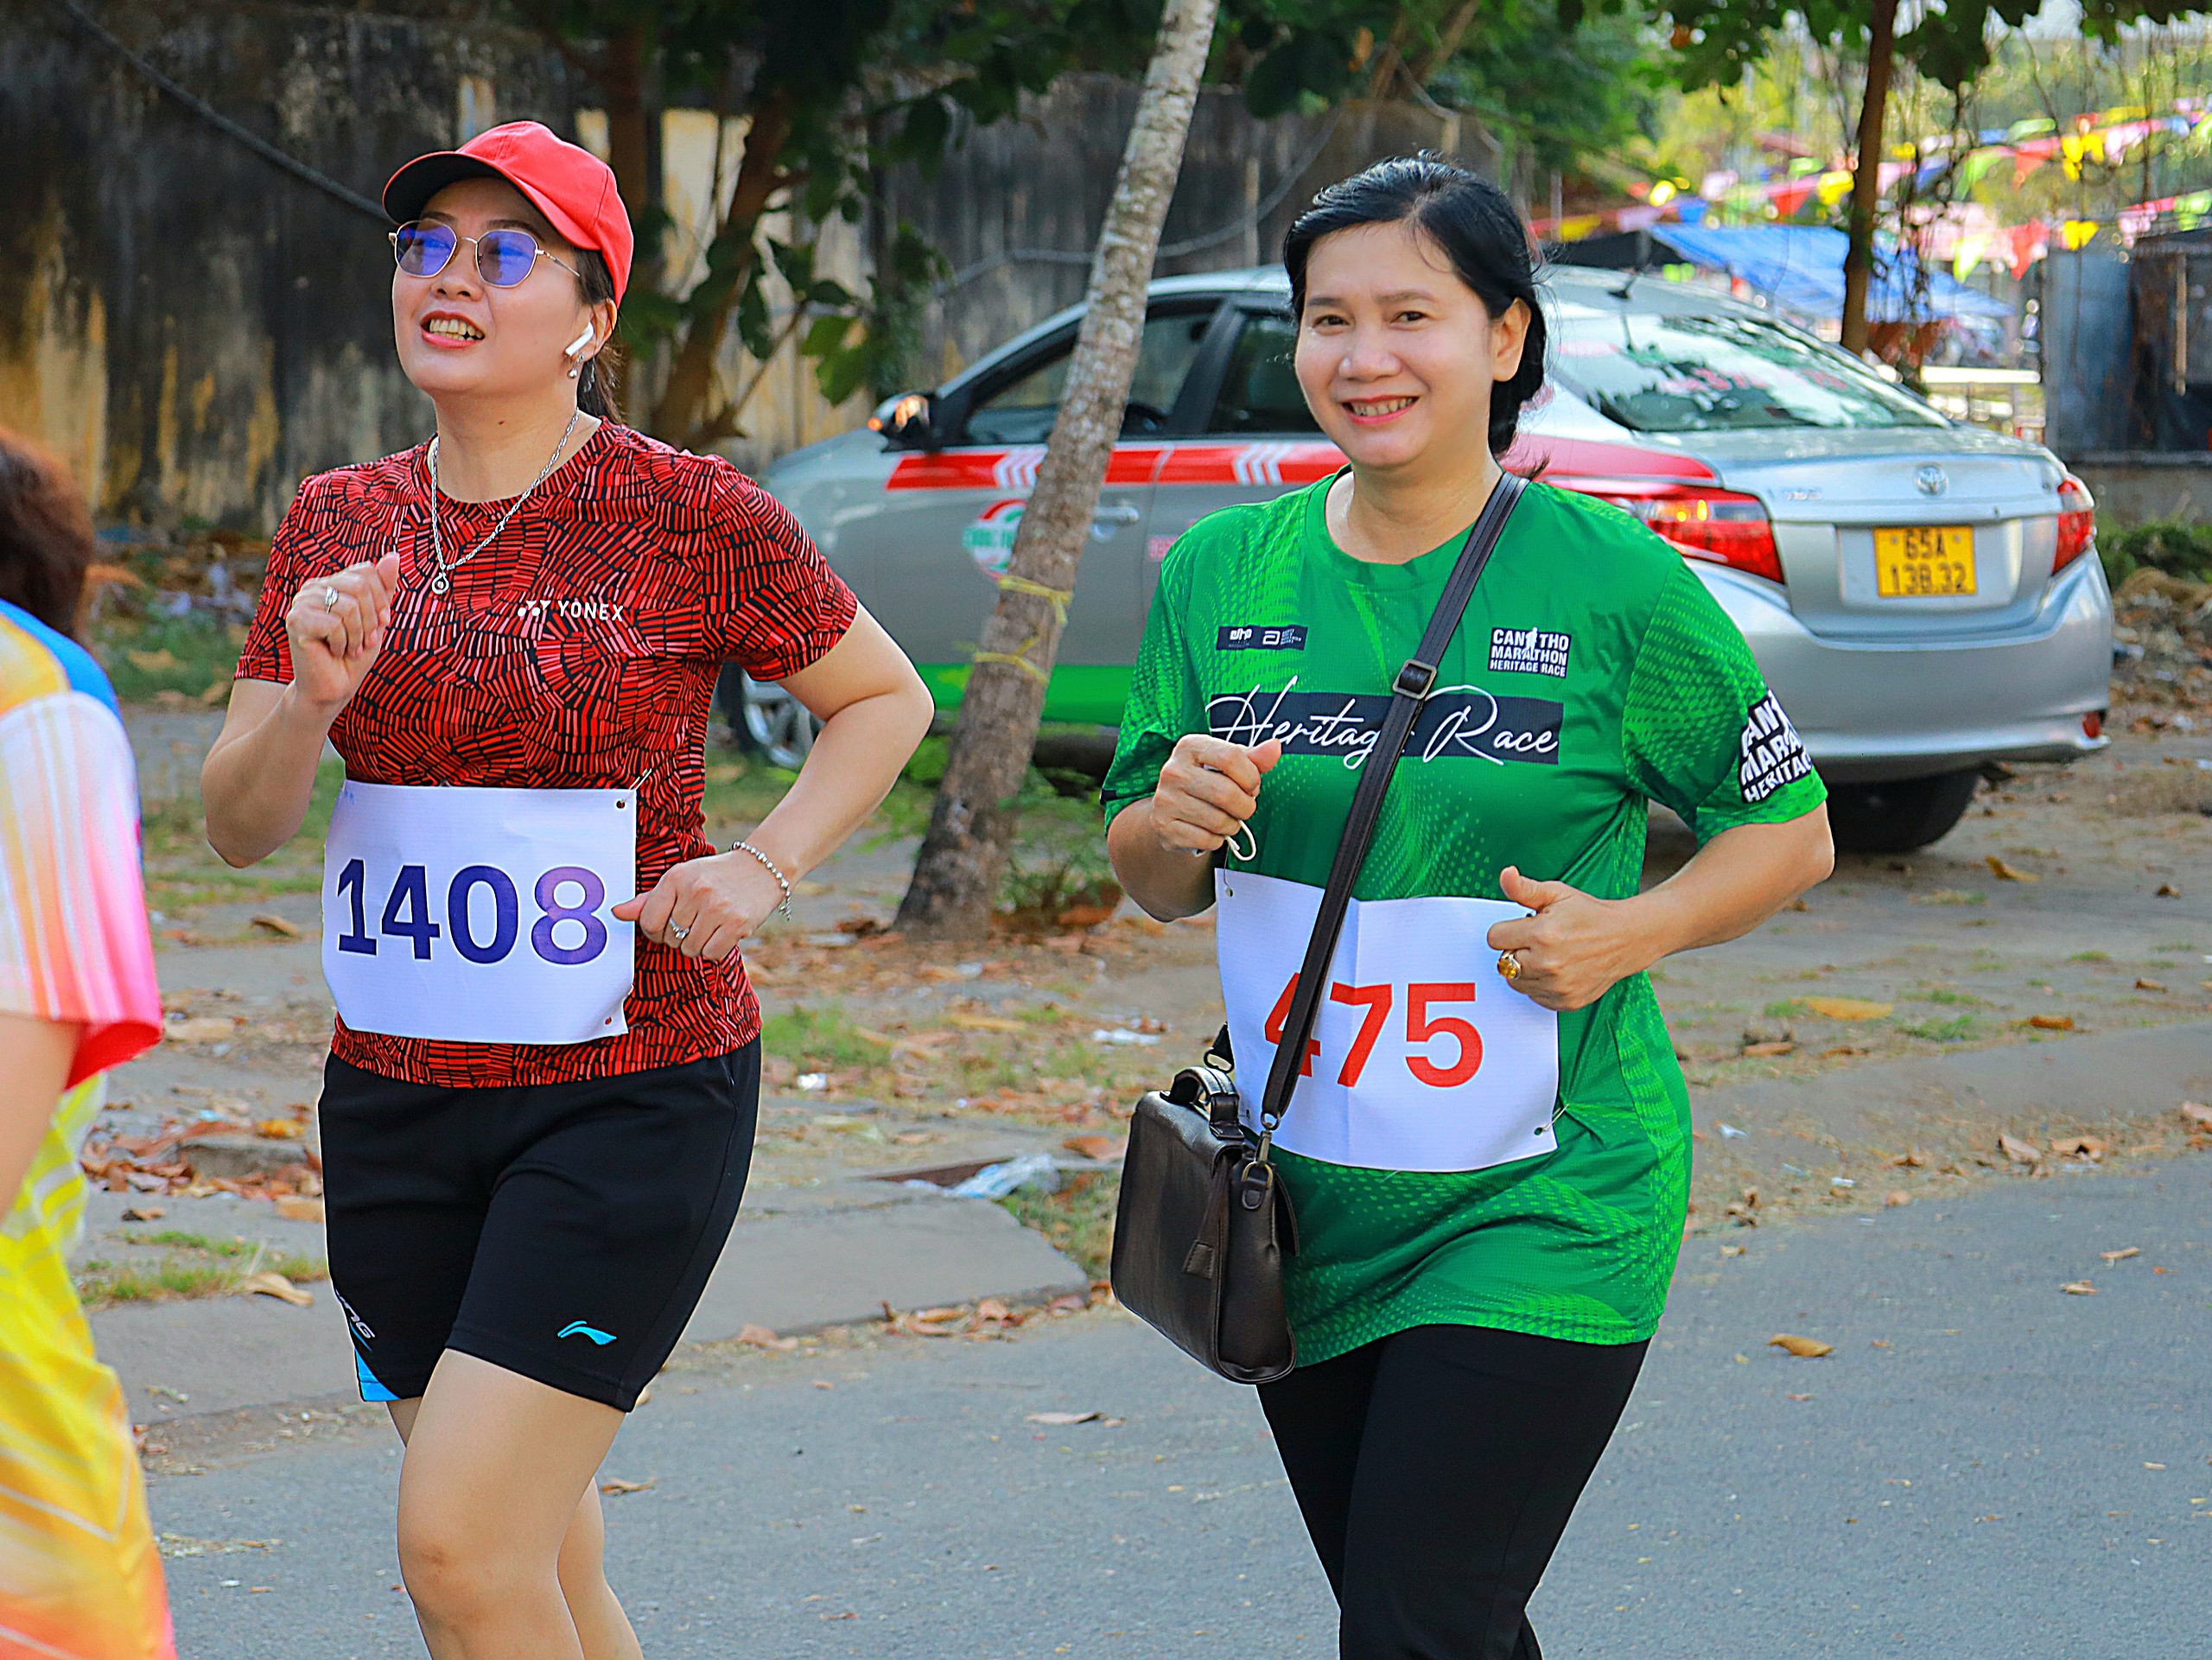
column 1408, row 694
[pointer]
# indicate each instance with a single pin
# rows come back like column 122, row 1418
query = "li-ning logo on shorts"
column 1773, row 755
column 1456, row 723
column 579, row 1328
column 1249, row 637
column 1528, row 651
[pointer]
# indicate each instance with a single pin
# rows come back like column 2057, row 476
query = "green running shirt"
column 1593, row 673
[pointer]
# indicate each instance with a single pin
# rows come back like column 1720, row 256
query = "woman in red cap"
column 538, row 1109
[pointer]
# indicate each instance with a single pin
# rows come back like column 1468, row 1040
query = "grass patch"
column 1079, row 1219
column 1788, row 1009
column 1956, row 1030
column 2090, row 956
column 191, row 1265
column 1945, row 995
column 144, row 657
column 819, row 1037
column 2175, row 945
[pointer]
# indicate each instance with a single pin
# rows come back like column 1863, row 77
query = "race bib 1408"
column 1424, row 1057
column 479, row 916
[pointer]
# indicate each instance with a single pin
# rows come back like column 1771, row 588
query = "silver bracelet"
column 782, row 881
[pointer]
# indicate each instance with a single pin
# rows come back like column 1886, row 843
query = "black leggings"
column 1436, row 1469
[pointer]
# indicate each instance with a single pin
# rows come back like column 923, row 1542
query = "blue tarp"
column 1800, row 267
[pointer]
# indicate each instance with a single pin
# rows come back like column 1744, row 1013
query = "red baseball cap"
column 570, row 184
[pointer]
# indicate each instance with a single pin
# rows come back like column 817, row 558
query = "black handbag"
column 1202, row 1222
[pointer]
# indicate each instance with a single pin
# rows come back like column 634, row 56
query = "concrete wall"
column 1041, row 182
column 2134, row 486
column 194, row 329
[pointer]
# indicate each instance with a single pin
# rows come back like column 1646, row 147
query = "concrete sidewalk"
column 835, row 1260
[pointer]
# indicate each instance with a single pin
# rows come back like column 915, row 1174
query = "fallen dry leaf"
column 759, row 1337
column 2018, row 1151
column 992, row 1308
column 1733, row 1250
column 2051, row 1022
column 2142, row 984
column 144, row 1213
column 1776, row 1046
column 1084, row 916
column 300, row 1209
column 1848, row 1008
column 1911, row 1160
column 985, row 1023
column 2080, row 1146
column 1064, row 1417
column 2004, row 872
column 1100, row 1148
column 2168, row 891
column 2079, row 1288
column 269, row 1283
column 280, row 1129
column 270, row 922
column 1805, row 1348
column 2121, row 1254
column 2197, row 1115
column 616, row 1486
column 204, row 1028
column 1897, row 1196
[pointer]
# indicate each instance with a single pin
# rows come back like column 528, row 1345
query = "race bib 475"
column 1424, row 1057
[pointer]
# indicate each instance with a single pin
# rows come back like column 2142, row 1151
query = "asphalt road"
column 1985, row 1467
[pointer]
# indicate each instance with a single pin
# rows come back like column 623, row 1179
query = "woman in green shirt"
column 1489, row 1147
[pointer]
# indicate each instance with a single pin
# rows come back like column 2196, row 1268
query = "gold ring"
column 1509, row 965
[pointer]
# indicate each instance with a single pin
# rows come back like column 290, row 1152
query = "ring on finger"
column 679, row 935
column 329, row 599
column 1509, row 965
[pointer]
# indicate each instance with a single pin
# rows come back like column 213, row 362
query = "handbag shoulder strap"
column 1414, row 682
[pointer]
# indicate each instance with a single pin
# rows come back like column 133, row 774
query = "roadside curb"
column 798, row 1271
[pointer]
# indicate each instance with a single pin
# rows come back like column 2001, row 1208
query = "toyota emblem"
column 1932, row 479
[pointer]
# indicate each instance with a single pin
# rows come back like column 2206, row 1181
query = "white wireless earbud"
column 581, row 341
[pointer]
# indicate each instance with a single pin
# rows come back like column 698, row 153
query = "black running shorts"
column 561, row 1230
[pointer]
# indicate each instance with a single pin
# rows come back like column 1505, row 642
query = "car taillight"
column 2077, row 522
column 1724, row 527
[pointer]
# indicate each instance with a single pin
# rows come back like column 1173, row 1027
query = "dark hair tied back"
column 594, row 397
column 1467, row 217
column 46, row 535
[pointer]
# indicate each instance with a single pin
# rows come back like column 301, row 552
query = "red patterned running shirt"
column 578, row 650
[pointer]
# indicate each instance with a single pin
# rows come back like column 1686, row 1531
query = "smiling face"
column 461, row 338
column 1396, row 355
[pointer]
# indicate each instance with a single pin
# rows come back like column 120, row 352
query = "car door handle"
column 1122, row 512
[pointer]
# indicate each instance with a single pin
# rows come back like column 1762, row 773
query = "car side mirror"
column 907, row 420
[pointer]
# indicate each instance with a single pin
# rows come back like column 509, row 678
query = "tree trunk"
column 620, row 74
column 956, row 878
column 1866, row 179
column 686, row 416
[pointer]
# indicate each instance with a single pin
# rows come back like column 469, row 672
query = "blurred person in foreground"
column 79, row 1577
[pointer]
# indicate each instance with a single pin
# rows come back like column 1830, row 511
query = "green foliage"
column 2177, row 548
column 1558, row 91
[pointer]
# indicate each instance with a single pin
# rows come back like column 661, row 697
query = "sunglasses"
column 425, row 247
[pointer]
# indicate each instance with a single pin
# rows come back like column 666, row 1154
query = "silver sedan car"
column 1923, row 596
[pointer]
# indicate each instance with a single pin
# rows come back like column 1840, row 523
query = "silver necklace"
column 441, row 580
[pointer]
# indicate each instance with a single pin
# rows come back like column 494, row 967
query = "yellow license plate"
column 1924, row 561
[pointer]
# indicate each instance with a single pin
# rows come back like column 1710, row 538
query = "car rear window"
column 1657, row 372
